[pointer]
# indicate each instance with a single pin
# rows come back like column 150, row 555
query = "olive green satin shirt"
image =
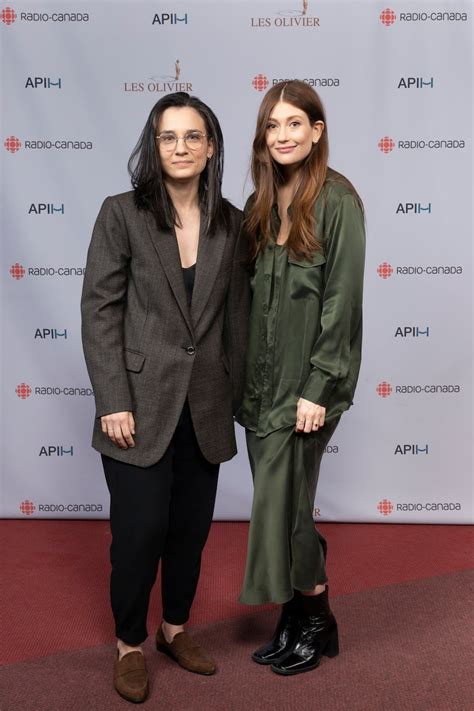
column 305, row 330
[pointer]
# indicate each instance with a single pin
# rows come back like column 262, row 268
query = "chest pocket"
column 306, row 277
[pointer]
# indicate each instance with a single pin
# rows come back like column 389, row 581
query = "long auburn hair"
column 268, row 176
column 146, row 171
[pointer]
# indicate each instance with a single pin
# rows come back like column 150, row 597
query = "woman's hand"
column 119, row 426
column 309, row 416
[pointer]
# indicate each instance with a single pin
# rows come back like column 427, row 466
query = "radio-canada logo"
column 385, row 507
column 260, row 82
column 385, row 270
column 17, row 271
column 387, row 17
column 386, row 144
column 23, row 391
column 8, row 16
column 384, row 389
column 27, row 507
column 12, row 144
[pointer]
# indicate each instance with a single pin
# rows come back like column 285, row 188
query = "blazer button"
column 190, row 350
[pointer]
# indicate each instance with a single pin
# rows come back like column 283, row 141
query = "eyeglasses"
column 192, row 139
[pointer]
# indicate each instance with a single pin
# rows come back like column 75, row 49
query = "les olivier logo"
column 388, row 17
column 386, row 390
column 9, row 16
column 299, row 16
column 13, row 144
column 260, row 82
column 385, row 270
column 162, row 83
column 18, row 271
column 387, row 144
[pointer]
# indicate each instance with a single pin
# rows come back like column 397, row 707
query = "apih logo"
column 387, row 17
column 43, row 83
column 23, row 391
column 405, row 449
column 169, row 18
column 8, row 16
column 12, row 144
column 161, row 83
column 386, row 144
column 385, row 270
column 384, row 389
column 385, row 507
column 415, row 83
column 17, row 271
column 298, row 17
column 46, row 208
column 27, row 507
column 260, row 82
column 412, row 208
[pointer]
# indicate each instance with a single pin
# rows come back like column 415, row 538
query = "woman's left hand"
column 309, row 416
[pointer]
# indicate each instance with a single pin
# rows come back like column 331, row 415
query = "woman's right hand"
column 119, row 426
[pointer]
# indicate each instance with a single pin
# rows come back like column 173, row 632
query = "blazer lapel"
column 209, row 257
column 166, row 246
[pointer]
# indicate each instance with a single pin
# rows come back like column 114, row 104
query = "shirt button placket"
column 266, row 357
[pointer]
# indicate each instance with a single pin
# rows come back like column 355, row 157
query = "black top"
column 189, row 274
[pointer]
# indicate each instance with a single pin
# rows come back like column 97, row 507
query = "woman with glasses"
column 305, row 226
column 164, row 310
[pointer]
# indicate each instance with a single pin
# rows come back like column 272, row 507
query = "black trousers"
column 159, row 512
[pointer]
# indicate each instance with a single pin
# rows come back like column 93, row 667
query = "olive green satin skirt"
column 285, row 551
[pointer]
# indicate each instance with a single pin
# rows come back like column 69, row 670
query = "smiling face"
column 181, row 160
column 289, row 134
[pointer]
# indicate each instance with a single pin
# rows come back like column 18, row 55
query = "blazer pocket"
column 133, row 360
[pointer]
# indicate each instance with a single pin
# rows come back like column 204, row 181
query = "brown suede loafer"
column 184, row 650
column 131, row 677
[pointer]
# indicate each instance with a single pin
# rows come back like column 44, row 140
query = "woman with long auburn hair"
column 305, row 226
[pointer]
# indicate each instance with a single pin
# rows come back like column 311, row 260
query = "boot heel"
column 332, row 645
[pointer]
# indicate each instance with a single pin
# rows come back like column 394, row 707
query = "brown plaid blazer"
column 146, row 350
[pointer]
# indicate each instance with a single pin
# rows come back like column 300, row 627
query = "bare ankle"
column 124, row 648
column 170, row 631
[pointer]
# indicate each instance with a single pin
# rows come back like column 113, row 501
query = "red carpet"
column 56, row 583
column 404, row 647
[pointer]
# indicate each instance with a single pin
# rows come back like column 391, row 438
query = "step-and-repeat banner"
column 79, row 79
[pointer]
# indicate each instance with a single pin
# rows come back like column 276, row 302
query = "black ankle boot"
column 285, row 636
column 317, row 637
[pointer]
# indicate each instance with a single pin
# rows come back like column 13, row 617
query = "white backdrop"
column 79, row 79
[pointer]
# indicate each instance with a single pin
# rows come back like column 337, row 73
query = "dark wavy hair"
column 146, row 172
